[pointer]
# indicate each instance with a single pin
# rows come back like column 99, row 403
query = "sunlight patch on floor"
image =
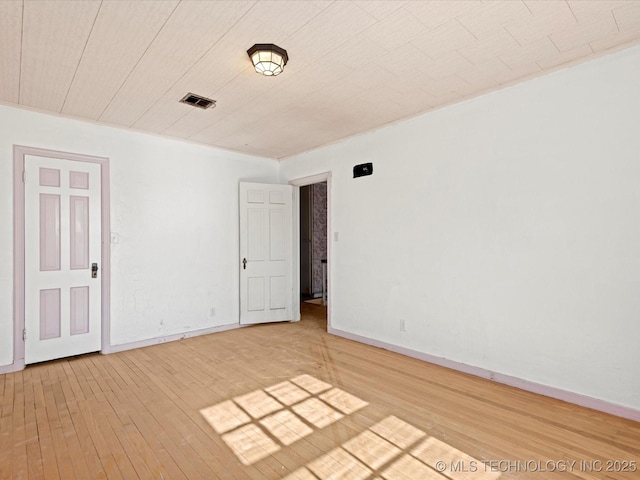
column 373, row 450
column 263, row 422
column 225, row 416
column 398, row 432
column 260, row 423
column 339, row 464
column 250, row 443
column 287, row 393
column 286, row 427
column 311, row 384
column 316, row 412
column 258, row 404
column 392, row 449
column 343, row 401
column 407, row 468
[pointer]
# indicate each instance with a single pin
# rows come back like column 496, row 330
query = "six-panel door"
column 266, row 239
column 62, row 243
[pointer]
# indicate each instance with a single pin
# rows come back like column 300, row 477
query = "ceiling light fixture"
column 268, row 59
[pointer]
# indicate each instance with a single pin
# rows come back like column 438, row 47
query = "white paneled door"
column 62, row 258
column 266, row 253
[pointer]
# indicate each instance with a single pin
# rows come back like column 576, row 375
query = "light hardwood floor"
column 290, row 401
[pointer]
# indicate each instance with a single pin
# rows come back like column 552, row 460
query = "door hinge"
column 24, row 176
column 24, row 334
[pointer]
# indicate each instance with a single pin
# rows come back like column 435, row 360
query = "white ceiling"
column 354, row 65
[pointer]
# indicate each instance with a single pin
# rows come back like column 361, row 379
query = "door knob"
column 94, row 270
column 244, row 263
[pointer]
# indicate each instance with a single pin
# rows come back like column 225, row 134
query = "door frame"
column 19, row 154
column 297, row 183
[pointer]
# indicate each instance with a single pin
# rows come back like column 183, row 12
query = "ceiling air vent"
column 198, row 101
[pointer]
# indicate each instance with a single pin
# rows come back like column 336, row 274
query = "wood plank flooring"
column 288, row 401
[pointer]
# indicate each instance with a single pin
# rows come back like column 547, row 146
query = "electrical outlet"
column 403, row 326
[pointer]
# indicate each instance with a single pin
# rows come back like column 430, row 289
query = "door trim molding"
column 19, row 154
column 311, row 179
column 297, row 183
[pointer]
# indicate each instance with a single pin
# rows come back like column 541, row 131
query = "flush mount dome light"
column 268, row 59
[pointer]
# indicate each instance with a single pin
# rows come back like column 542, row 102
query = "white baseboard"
column 547, row 391
column 20, row 365
column 12, row 367
column 167, row 338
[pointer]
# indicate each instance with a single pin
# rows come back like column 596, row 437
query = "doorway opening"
column 313, row 243
column 314, row 246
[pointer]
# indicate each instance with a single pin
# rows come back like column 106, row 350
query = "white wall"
column 174, row 206
column 505, row 231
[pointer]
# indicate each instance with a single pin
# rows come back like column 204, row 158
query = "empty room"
column 320, row 240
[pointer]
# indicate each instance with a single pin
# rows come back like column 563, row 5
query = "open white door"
column 266, row 253
column 63, row 254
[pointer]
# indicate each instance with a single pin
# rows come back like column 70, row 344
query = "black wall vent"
column 198, row 101
column 363, row 170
